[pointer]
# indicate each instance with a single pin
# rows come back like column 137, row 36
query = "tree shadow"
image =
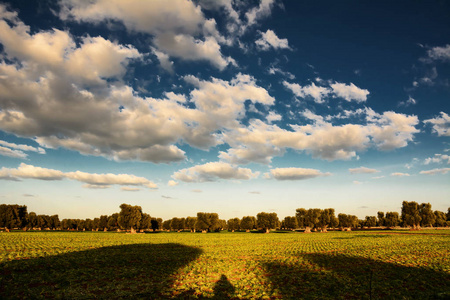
column 339, row 276
column 127, row 271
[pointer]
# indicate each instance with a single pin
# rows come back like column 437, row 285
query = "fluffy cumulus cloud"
column 362, row 170
column 75, row 98
column 213, row 171
column 174, row 27
column 441, row 124
column 91, row 180
column 320, row 93
column 270, row 40
column 349, row 92
column 294, row 173
column 439, row 53
column 260, row 142
column 438, row 171
column 438, row 159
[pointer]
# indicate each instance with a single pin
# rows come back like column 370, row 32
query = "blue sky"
column 234, row 107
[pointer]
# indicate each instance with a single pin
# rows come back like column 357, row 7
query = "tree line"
column 132, row 218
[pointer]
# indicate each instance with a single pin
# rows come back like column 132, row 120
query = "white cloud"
column 263, row 10
column 362, row 170
column 12, row 153
column 439, row 53
column 172, row 183
column 31, row 172
column 212, row 172
column 173, row 27
column 259, row 142
column 438, row 158
column 399, row 174
column 442, row 171
column 294, row 173
column 22, row 147
column 272, row 117
column 441, row 125
column 319, row 93
column 270, row 40
column 92, row 180
column 349, row 92
column 357, row 182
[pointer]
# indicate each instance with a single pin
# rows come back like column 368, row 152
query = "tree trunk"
column 324, row 229
column 105, row 230
column 6, row 229
column 266, row 230
column 133, row 230
column 307, row 229
column 203, row 231
column 247, row 230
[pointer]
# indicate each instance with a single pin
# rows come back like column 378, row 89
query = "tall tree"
column 103, row 222
column 327, row 218
column 380, row 217
column 113, row 223
column 233, row 224
column 207, row 221
column 347, row 221
column 312, row 219
column 290, row 223
column 426, row 214
column 146, row 222
column 371, row 221
column 440, row 219
column 130, row 217
column 267, row 221
column 392, row 219
column 411, row 214
column 300, row 214
column 248, row 223
column 190, row 223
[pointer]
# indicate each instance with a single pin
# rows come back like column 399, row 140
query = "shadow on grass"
column 136, row 271
column 337, row 276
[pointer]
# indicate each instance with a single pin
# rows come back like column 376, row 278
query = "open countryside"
column 225, row 260
column 224, row 149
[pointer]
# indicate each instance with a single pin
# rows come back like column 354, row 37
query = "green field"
column 333, row 265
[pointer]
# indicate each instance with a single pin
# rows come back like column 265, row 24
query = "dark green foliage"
column 380, row 217
column 289, row 223
column 167, row 225
column 178, row 223
column 440, row 219
column 129, row 217
column 411, row 214
column 392, row 219
column 426, row 214
column 371, row 221
column 327, row 218
column 347, row 221
column 113, row 223
column 190, row 223
column 267, row 221
column 248, row 223
column 146, row 222
column 233, row 224
column 207, row 221
column 13, row 216
column 103, row 222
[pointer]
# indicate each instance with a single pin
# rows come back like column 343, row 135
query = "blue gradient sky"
column 224, row 106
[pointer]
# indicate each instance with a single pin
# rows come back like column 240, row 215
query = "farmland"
column 346, row 265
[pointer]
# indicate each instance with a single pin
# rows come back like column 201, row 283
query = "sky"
column 233, row 107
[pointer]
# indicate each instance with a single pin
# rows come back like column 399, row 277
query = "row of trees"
column 132, row 218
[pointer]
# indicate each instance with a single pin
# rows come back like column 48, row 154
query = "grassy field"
column 334, row 265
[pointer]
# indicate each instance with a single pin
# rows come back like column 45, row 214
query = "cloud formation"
column 270, row 40
column 441, row 171
column 294, row 173
column 362, row 170
column 441, row 124
column 213, row 171
column 91, row 180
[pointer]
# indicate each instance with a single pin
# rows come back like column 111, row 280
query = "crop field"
column 333, row 265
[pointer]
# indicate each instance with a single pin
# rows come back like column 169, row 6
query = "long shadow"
column 128, row 271
column 338, row 276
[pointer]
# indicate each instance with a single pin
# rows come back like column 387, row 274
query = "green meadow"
column 279, row 265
